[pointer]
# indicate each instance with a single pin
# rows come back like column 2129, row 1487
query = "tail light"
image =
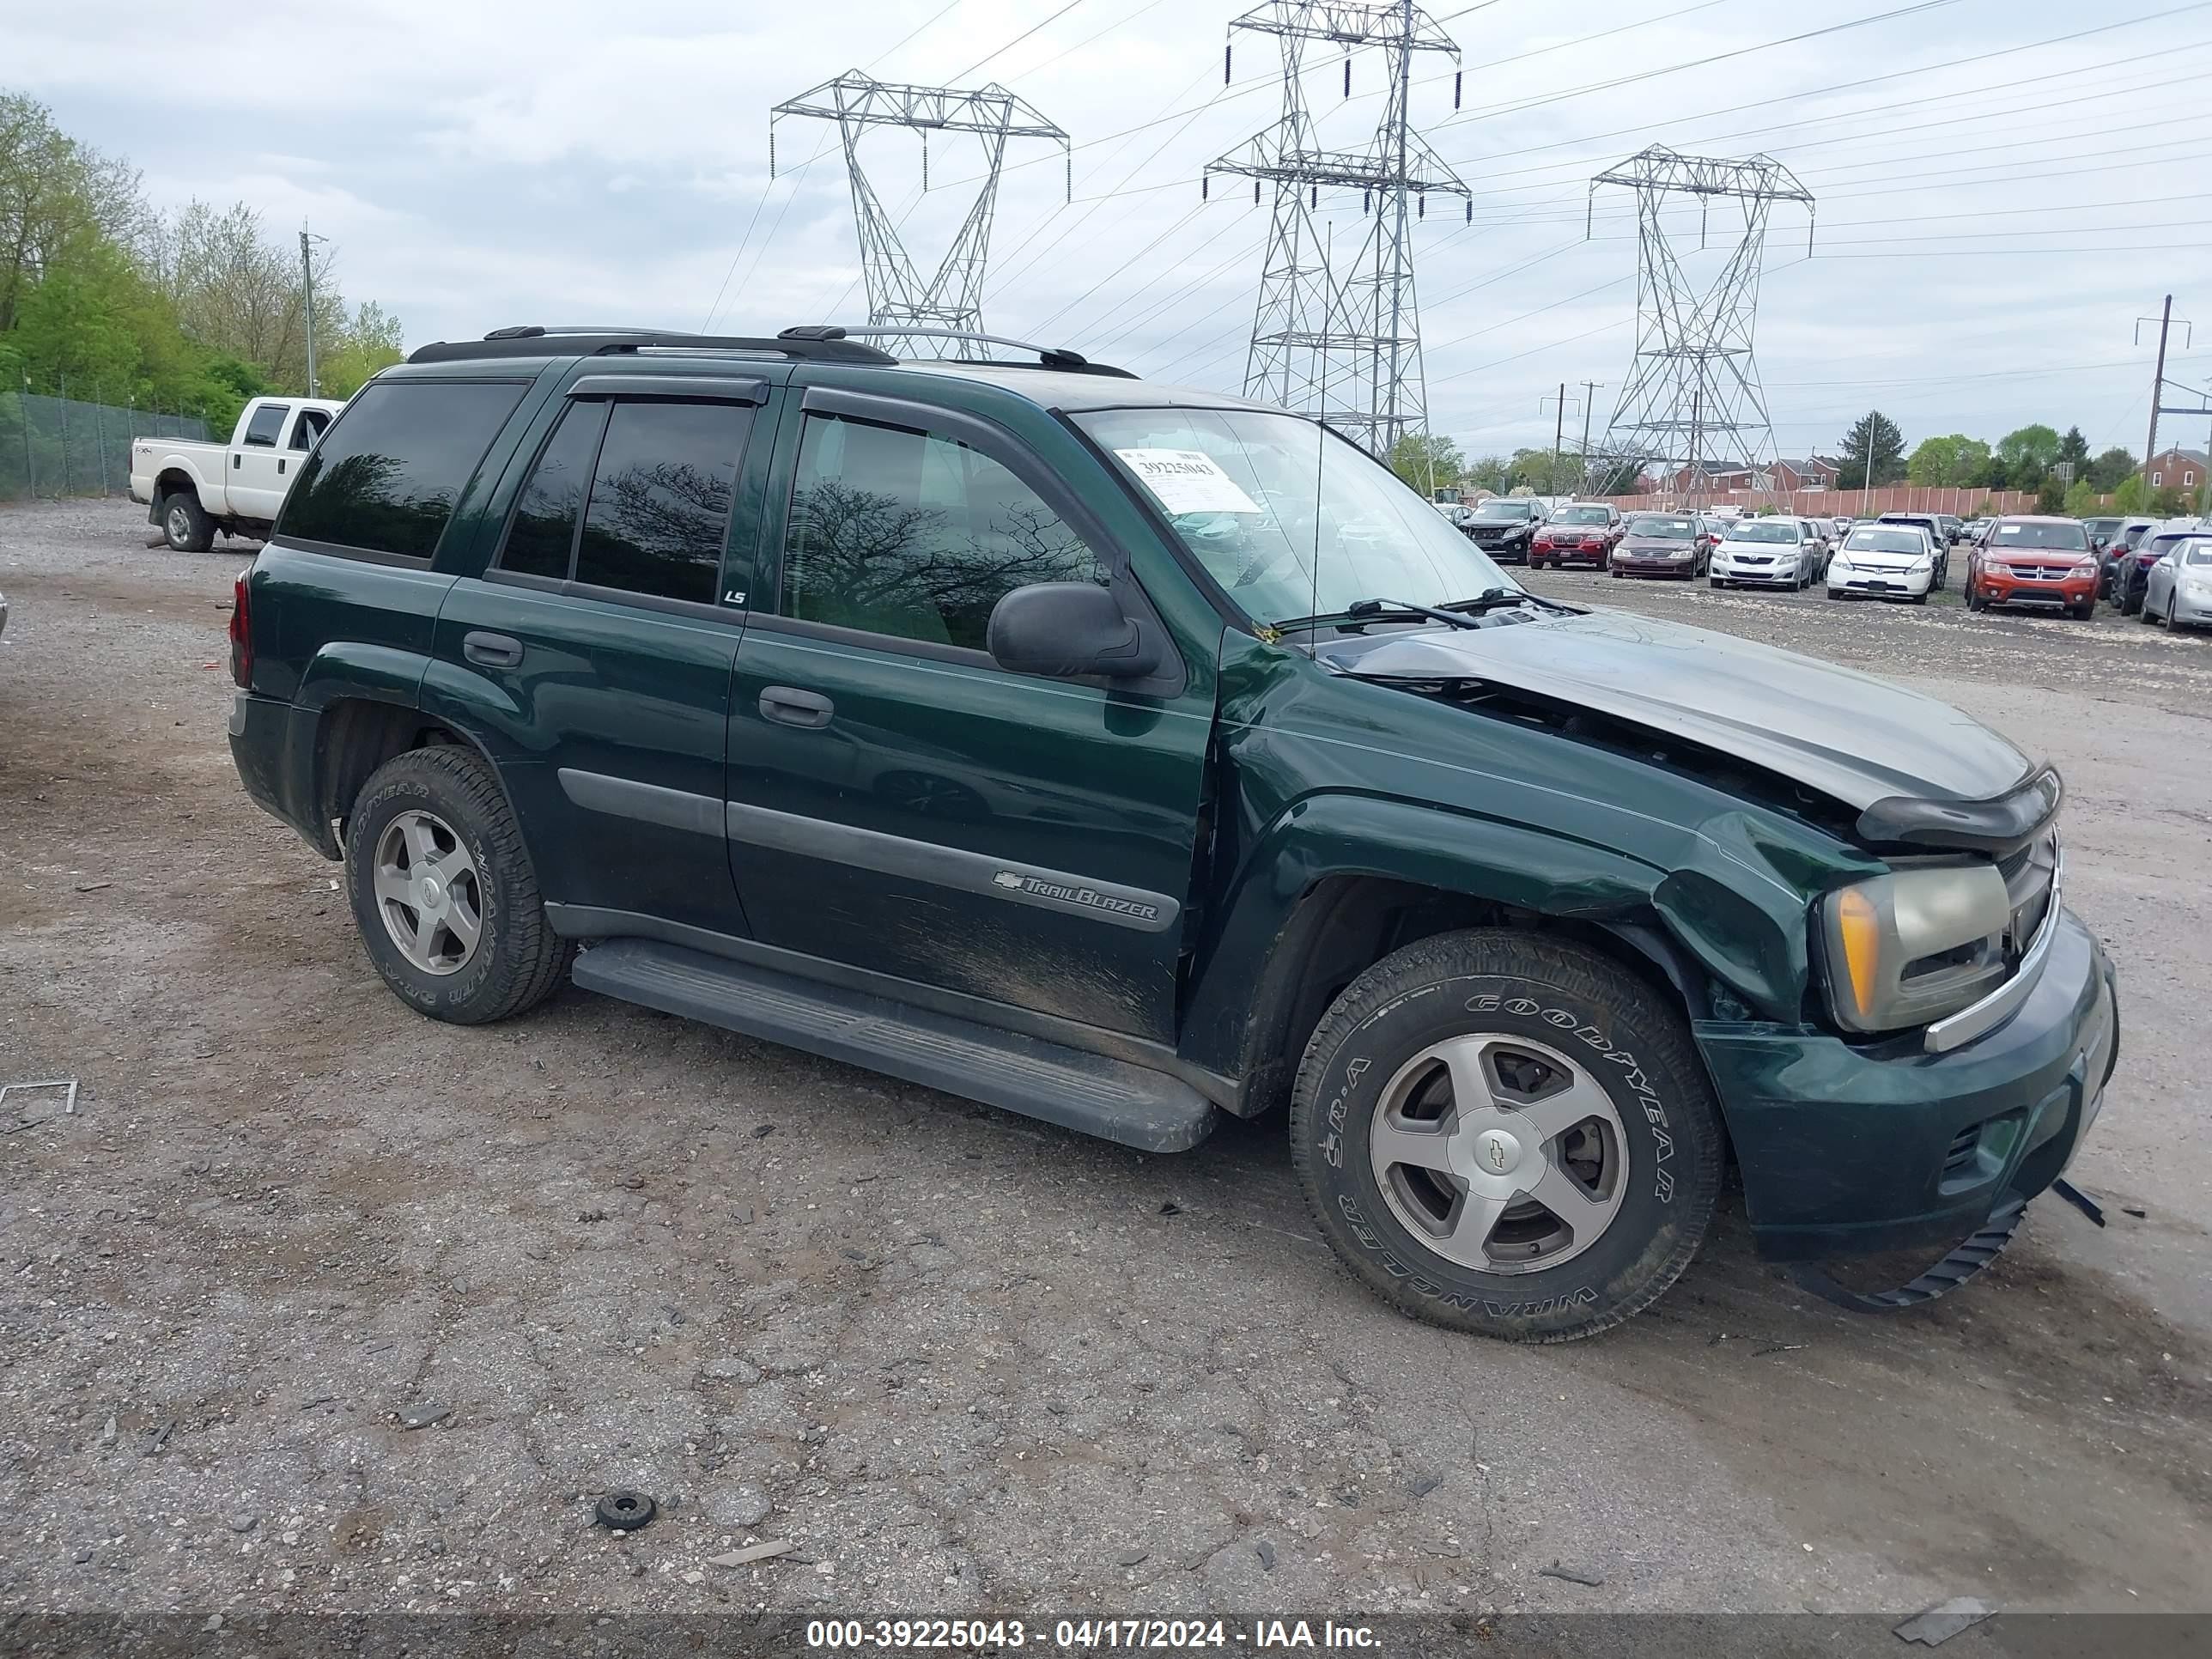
column 241, row 631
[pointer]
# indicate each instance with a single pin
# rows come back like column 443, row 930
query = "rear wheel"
column 185, row 524
column 443, row 891
column 1507, row 1134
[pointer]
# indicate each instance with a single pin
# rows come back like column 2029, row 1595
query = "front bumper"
column 1564, row 554
column 2003, row 589
column 1774, row 575
column 1879, row 583
column 1849, row 1148
column 2188, row 611
column 1504, row 552
column 1653, row 564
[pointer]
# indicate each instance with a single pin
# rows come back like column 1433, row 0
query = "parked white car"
column 193, row 490
column 2179, row 591
column 1883, row 560
column 1769, row 552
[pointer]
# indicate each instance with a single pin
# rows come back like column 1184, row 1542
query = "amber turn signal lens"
column 1859, row 926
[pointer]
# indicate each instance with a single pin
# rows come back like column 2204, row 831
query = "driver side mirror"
column 1067, row 629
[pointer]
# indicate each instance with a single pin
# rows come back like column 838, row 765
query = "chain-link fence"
column 68, row 447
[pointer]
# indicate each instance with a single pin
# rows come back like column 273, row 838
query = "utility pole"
column 308, row 279
column 1582, row 473
column 2157, row 388
column 1696, row 442
column 1558, row 433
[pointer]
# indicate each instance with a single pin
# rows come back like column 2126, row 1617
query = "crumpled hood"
column 1846, row 734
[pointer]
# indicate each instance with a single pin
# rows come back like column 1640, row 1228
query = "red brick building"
column 2177, row 469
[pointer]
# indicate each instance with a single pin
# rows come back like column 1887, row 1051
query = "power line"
column 1015, row 41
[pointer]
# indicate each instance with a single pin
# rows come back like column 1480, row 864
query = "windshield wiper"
column 1366, row 611
column 1495, row 599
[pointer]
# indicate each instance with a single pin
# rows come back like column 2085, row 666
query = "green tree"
column 2128, row 495
column 1533, row 468
column 2107, row 470
column 55, row 194
column 369, row 342
column 2052, row 496
column 2073, row 448
column 2028, row 454
column 1941, row 462
column 1425, row 460
column 2081, row 500
column 1873, row 452
column 1492, row 472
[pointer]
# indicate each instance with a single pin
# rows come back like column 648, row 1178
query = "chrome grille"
column 2028, row 878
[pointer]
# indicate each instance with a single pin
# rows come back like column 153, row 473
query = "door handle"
column 492, row 650
column 791, row 707
column 280, row 467
column 237, row 461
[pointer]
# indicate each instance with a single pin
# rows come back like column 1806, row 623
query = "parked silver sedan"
column 2179, row 593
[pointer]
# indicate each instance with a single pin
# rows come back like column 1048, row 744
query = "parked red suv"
column 1580, row 533
column 2045, row 563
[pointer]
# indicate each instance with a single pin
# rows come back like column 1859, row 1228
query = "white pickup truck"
column 194, row 489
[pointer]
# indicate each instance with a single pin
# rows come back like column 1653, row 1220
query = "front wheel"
column 1716, row 581
column 1974, row 599
column 1507, row 1134
column 443, row 892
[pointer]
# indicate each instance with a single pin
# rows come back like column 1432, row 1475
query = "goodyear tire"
column 1507, row 1134
column 443, row 891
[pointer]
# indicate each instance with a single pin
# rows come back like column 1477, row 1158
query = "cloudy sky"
column 2003, row 186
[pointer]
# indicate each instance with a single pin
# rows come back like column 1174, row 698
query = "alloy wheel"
column 1503, row 1155
column 430, row 892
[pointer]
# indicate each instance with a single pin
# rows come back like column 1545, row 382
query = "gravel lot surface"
column 313, row 1303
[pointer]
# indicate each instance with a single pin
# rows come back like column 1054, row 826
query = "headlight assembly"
column 1914, row 945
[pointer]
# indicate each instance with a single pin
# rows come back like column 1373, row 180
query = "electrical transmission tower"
column 952, row 298
column 1692, row 389
column 1338, row 334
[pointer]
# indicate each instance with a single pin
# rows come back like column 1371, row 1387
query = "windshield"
column 1290, row 520
column 2070, row 537
column 1763, row 530
column 1580, row 515
column 1883, row 541
column 1505, row 510
column 1669, row 530
column 2195, row 554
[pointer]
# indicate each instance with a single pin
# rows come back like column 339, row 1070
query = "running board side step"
column 1134, row 1105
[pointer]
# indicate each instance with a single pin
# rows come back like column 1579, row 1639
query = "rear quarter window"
column 386, row 478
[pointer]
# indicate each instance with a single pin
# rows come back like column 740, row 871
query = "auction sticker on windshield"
column 1187, row 481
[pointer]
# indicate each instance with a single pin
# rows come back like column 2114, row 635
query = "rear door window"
column 386, row 478
column 268, row 421
column 660, row 499
column 541, row 538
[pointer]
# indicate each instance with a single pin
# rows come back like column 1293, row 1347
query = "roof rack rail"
column 1053, row 357
column 533, row 340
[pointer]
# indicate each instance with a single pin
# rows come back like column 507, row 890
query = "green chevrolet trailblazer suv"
column 1124, row 755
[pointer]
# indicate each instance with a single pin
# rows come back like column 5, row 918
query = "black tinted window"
column 543, row 533
column 660, row 499
column 901, row 533
column 268, row 421
column 310, row 428
column 386, row 476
